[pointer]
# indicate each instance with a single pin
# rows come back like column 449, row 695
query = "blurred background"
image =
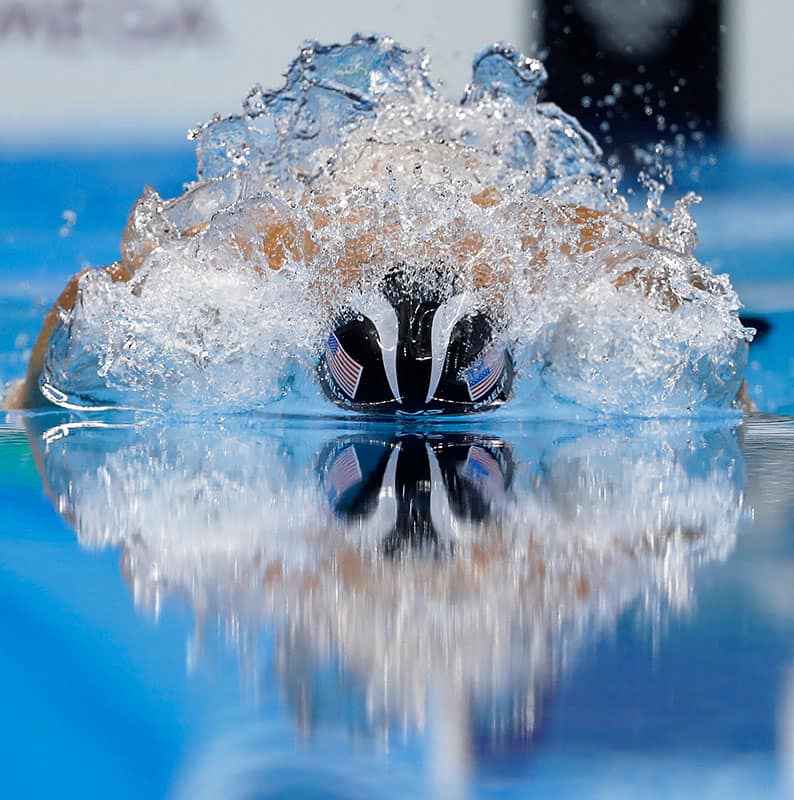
column 99, row 72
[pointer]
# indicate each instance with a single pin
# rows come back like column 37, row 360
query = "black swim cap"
column 405, row 354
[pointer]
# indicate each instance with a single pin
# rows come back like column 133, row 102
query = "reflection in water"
column 439, row 581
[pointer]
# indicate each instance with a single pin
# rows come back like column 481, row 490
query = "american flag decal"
column 482, row 376
column 345, row 371
column 484, row 471
column 481, row 466
column 344, row 473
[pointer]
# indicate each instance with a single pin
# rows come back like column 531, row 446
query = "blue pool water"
column 235, row 608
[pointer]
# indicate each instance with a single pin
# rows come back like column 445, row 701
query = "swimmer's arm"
column 597, row 231
column 273, row 234
column 28, row 395
column 587, row 230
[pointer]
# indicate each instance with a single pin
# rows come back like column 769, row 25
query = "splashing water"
column 358, row 165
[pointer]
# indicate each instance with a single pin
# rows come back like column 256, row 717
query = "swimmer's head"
column 402, row 353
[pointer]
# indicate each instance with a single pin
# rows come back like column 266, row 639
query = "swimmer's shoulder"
column 26, row 393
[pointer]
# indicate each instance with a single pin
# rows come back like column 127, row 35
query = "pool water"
column 271, row 607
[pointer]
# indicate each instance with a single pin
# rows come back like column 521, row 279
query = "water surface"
column 253, row 607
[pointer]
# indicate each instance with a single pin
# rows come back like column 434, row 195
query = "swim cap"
column 405, row 354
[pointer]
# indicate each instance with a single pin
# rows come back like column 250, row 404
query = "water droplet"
column 69, row 218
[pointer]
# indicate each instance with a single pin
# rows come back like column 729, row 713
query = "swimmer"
column 408, row 352
column 458, row 226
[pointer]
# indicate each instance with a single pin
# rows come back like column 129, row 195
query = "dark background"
column 647, row 70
